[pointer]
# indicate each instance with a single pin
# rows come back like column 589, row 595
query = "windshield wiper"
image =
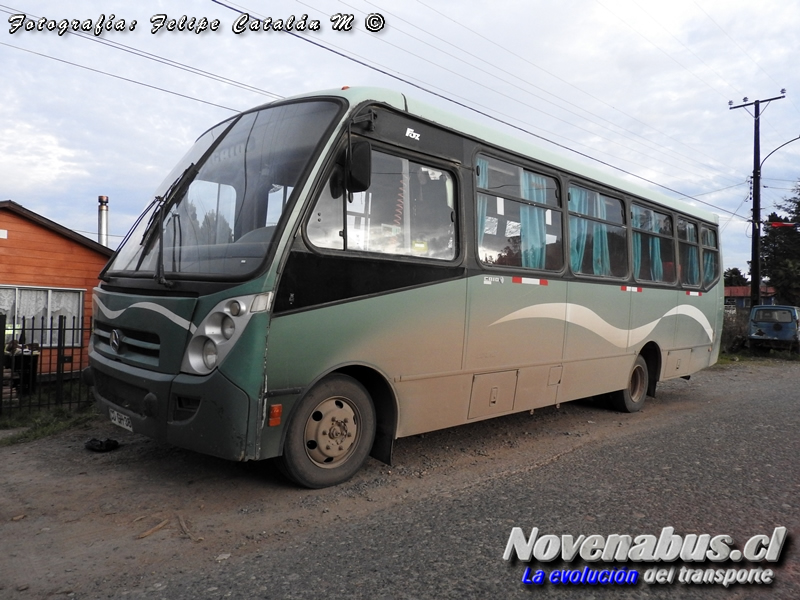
column 164, row 203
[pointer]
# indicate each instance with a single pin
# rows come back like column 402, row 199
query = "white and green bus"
column 323, row 275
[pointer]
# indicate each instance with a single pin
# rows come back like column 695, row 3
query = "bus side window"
column 519, row 221
column 653, row 248
column 688, row 255
column 598, row 238
column 408, row 210
column 708, row 240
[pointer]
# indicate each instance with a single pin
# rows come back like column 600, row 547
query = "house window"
column 32, row 314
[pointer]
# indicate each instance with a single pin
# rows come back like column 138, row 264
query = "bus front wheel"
column 330, row 434
column 631, row 399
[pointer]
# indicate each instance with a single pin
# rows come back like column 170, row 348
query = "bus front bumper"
column 208, row 414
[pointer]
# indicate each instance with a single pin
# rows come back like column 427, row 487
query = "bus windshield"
column 215, row 214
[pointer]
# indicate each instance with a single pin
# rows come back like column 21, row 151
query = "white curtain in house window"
column 7, row 297
column 67, row 304
column 7, row 300
column 32, row 303
column 37, row 307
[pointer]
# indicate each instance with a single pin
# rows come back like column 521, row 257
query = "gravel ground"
column 148, row 519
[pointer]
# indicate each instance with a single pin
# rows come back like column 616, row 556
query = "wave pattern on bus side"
column 588, row 319
column 157, row 308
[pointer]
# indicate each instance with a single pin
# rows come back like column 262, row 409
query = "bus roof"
column 359, row 95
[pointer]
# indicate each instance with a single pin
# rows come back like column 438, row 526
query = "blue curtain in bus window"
column 579, row 202
column 482, row 167
column 637, row 254
column 532, row 221
column 656, row 266
column 709, row 267
column 692, row 267
column 601, row 258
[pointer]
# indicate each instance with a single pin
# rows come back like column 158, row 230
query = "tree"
column 780, row 250
column 214, row 229
column 734, row 277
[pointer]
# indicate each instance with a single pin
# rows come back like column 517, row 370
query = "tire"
column 316, row 454
column 631, row 399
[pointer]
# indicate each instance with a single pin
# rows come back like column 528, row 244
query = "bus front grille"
column 139, row 346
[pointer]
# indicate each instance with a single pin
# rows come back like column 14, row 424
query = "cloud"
column 36, row 161
column 640, row 85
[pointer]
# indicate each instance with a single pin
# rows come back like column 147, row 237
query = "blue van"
column 775, row 327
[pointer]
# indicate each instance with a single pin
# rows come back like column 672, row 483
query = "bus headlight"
column 217, row 334
column 228, row 327
column 210, row 354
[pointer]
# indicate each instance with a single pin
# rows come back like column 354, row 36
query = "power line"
column 153, row 57
column 94, row 233
column 573, row 86
column 251, row 88
column 685, row 47
column 735, row 43
column 154, row 87
column 721, row 189
column 483, row 113
column 561, row 102
column 243, row 9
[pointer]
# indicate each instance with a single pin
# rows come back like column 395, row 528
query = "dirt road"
column 79, row 524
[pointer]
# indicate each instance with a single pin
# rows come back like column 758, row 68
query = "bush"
column 734, row 330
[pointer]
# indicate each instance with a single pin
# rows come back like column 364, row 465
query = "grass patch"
column 762, row 356
column 43, row 423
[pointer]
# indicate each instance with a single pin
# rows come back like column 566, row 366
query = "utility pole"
column 755, row 261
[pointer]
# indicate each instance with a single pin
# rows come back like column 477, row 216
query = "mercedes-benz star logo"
column 116, row 340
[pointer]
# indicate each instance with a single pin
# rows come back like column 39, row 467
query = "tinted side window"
column 598, row 240
column 689, row 261
column 653, row 246
column 519, row 224
column 710, row 255
column 409, row 210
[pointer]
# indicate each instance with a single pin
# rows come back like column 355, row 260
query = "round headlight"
column 210, row 354
column 235, row 308
column 228, row 327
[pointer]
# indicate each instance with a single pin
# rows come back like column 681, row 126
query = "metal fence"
column 42, row 363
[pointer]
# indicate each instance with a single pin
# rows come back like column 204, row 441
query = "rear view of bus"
column 325, row 274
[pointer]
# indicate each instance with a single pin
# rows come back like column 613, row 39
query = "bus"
column 323, row 275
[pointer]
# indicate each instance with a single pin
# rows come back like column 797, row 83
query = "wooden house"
column 46, row 271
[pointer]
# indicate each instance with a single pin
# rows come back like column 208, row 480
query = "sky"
column 642, row 87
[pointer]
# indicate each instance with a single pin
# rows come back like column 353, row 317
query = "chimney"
column 102, row 220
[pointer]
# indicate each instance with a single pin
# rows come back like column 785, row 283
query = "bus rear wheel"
column 330, row 434
column 631, row 399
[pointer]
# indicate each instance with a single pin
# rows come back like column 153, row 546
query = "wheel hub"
column 331, row 432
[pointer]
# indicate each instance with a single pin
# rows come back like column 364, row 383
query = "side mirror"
column 359, row 166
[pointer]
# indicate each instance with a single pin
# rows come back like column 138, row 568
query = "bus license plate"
column 123, row 421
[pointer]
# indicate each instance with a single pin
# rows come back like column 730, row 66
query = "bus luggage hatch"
column 492, row 394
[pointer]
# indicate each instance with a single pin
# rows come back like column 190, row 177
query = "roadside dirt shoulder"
column 74, row 522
